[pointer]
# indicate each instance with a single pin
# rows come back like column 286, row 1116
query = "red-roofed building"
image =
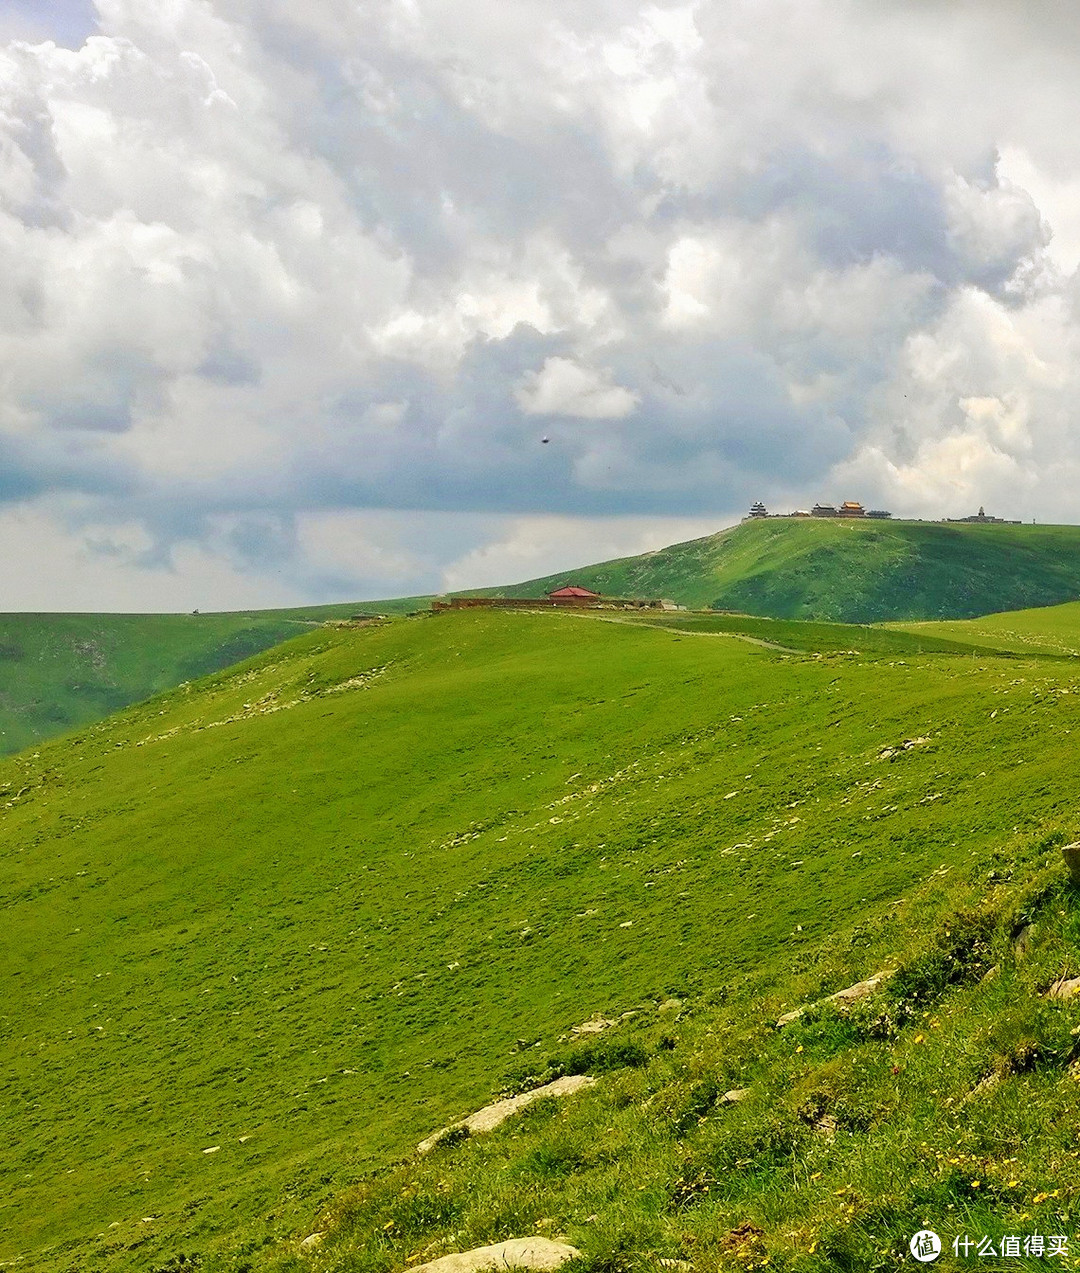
column 573, row 593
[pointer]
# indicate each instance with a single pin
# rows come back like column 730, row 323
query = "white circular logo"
column 926, row 1246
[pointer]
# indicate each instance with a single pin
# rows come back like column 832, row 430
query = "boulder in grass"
column 842, row 998
column 488, row 1118
column 1064, row 988
column 514, row 1253
column 1071, row 854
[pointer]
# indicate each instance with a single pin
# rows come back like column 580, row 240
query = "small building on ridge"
column 573, row 593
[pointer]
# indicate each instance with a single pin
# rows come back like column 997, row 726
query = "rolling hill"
column 267, row 930
column 59, row 671
column 848, row 571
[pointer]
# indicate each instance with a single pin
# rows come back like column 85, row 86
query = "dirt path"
column 663, row 627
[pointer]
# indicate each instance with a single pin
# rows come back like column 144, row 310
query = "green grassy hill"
column 265, row 931
column 849, row 571
column 59, row 671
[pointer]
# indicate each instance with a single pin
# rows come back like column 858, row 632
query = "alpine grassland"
column 267, row 930
column 848, row 570
column 60, row 671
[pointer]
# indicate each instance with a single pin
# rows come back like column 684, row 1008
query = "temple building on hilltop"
column 983, row 518
column 849, row 508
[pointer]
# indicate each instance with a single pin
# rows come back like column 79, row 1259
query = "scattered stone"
column 827, row 1125
column 888, row 753
column 670, row 1005
column 488, row 1118
column 595, row 1025
column 736, row 1095
column 984, row 1085
column 1024, row 940
column 843, row 998
column 514, row 1253
column 1071, row 854
column 311, row 1241
column 991, row 974
column 1064, row 988
column 212, row 1150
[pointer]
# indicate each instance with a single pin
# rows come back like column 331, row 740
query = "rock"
column 843, row 998
column 1023, row 940
column 670, row 1005
column 514, row 1253
column 1071, row 854
column 594, row 1026
column 827, row 1125
column 735, row 1095
column 311, row 1241
column 1064, row 988
column 488, row 1118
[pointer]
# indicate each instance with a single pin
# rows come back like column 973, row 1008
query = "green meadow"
column 60, row 671
column 268, row 929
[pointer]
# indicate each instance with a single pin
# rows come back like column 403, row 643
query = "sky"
column 291, row 295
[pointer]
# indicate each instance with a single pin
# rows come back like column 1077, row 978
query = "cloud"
column 268, row 267
column 563, row 387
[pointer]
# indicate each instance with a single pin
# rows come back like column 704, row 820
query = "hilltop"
column 268, row 930
column 848, row 570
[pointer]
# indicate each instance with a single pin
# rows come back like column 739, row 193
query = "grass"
column 849, row 571
column 1049, row 630
column 306, row 911
column 60, row 671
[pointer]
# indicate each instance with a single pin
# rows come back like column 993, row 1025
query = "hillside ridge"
column 846, row 570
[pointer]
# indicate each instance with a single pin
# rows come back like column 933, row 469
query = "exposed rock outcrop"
column 488, row 1118
column 514, row 1253
column 843, row 998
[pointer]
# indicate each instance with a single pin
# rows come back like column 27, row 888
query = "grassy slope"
column 59, row 671
column 849, row 571
column 302, row 911
column 1048, row 630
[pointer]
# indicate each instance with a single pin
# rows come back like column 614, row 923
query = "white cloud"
column 562, row 387
column 526, row 547
column 306, row 263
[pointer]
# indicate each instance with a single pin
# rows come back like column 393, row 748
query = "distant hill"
column 60, row 671
column 848, row 571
